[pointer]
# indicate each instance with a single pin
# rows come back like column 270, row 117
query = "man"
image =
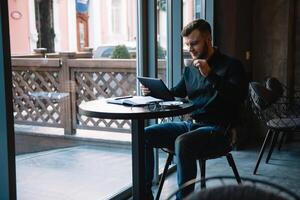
column 216, row 84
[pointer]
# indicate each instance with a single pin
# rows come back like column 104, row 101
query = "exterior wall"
column 104, row 23
column 132, row 20
column 94, row 20
column 128, row 27
column 188, row 10
column 72, row 36
column 19, row 28
column 63, row 25
column 99, row 24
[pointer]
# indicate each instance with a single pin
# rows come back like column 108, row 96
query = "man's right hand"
column 145, row 91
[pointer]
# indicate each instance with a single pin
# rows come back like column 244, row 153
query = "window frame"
column 7, row 140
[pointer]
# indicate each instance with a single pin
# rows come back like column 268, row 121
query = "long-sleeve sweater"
column 218, row 96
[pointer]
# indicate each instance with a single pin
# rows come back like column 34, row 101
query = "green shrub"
column 160, row 52
column 120, row 52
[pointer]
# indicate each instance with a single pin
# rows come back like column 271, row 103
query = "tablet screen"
column 157, row 88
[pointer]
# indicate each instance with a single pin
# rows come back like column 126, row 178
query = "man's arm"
column 180, row 89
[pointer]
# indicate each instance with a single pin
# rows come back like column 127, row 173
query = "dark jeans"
column 189, row 140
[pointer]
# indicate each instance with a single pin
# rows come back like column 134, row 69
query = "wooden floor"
column 93, row 172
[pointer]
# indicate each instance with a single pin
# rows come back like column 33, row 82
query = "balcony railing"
column 83, row 79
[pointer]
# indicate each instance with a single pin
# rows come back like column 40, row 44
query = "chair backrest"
column 260, row 96
column 225, row 187
column 235, row 192
column 271, row 106
column 274, row 85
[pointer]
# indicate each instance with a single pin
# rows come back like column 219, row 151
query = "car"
column 105, row 51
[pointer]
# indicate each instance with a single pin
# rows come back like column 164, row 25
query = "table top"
column 102, row 109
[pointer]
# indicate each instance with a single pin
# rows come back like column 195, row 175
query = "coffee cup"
column 188, row 62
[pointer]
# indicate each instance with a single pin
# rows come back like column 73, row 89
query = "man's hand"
column 203, row 66
column 145, row 91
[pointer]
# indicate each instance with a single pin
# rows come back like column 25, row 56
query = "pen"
column 124, row 97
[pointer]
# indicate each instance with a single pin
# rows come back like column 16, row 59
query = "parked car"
column 105, row 51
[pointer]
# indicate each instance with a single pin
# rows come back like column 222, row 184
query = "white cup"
column 188, row 62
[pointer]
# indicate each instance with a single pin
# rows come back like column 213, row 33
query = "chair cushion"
column 261, row 97
column 284, row 123
column 234, row 192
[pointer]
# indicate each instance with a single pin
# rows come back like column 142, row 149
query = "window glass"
column 86, row 52
column 162, row 39
column 192, row 9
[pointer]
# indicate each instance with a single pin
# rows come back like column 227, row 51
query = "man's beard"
column 204, row 53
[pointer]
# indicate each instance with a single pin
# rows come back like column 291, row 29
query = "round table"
column 137, row 115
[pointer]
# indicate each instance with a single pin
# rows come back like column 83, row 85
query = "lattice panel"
column 97, row 85
column 42, row 111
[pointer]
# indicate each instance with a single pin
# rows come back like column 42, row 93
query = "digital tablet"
column 157, row 88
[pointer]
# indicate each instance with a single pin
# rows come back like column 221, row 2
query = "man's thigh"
column 202, row 140
column 164, row 135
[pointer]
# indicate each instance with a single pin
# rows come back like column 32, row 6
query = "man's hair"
column 197, row 24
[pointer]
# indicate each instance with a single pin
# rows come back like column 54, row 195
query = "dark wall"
column 233, row 29
column 232, row 34
column 297, row 45
column 266, row 29
column 270, row 39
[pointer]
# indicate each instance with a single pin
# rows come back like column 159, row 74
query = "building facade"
column 70, row 25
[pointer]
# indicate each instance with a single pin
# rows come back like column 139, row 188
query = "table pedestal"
column 138, row 158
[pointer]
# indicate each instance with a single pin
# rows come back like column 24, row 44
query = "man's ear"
column 209, row 37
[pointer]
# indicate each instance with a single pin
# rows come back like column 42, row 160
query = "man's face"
column 197, row 44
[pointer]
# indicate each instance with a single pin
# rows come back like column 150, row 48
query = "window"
column 46, row 117
column 67, row 151
column 162, row 39
column 192, row 9
column 199, row 9
column 116, row 16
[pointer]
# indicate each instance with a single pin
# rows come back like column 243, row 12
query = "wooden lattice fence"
column 82, row 79
column 30, row 76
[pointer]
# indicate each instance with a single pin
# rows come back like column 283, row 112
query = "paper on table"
column 134, row 100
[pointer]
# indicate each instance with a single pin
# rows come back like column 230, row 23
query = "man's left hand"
column 203, row 67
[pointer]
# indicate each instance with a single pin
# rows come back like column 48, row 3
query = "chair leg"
column 267, row 138
column 281, row 141
column 233, row 166
column 163, row 176
column 273, row 143
column 202, row 163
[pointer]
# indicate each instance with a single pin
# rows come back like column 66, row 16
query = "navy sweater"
column 218, row 96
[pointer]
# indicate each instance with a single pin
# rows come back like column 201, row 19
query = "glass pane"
column 71, row 52
column 162, row 39
column 192, row 9
column 81, row 34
